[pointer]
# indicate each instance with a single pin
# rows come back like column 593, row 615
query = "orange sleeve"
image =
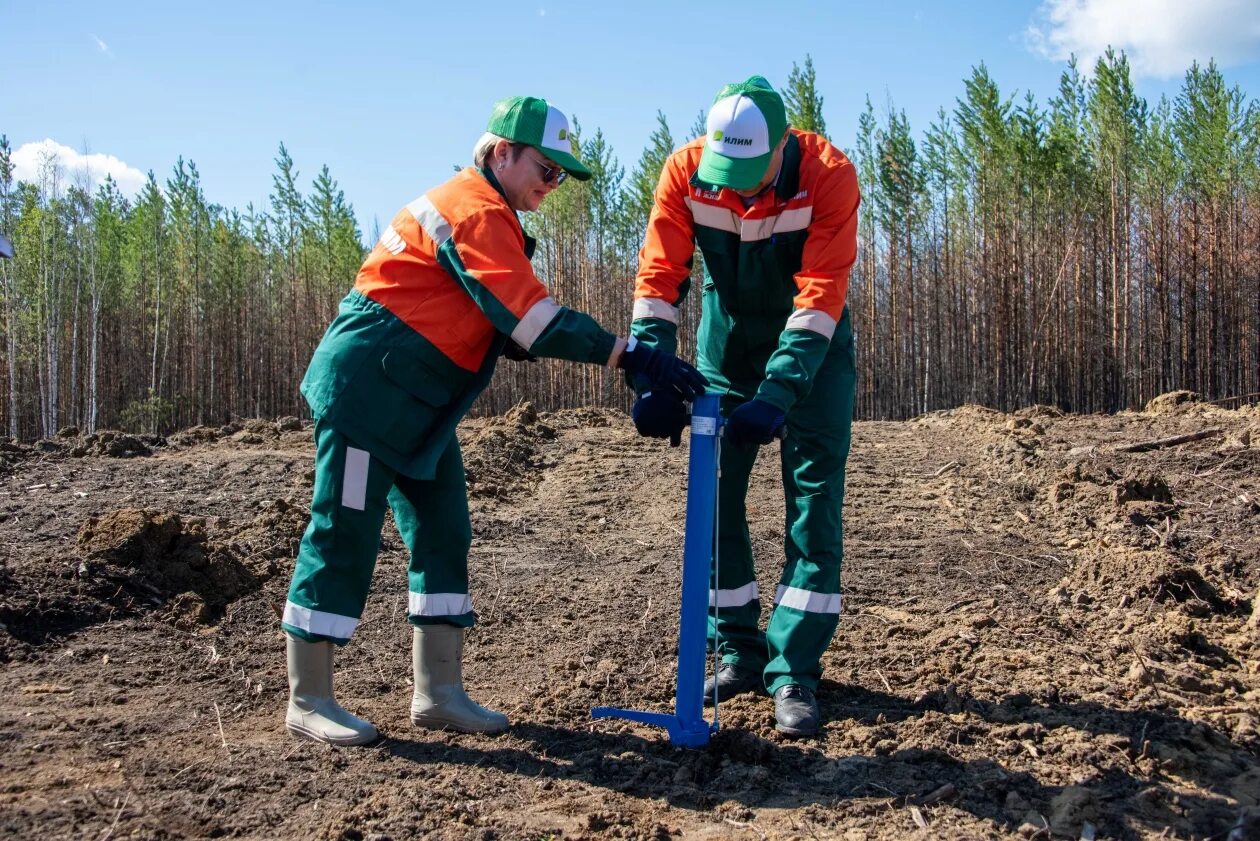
column 831, row 245
column 491, row 251
column 665, row 260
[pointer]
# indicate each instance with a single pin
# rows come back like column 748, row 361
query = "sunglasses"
column 550, row 174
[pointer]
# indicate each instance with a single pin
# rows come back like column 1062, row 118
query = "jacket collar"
column 530, row 242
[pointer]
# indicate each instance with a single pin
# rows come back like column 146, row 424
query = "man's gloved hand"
column 754, row 422
column 664, row 371
column 660, row 414
column 516, row 353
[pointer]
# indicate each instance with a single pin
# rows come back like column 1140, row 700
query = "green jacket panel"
column 388, row 389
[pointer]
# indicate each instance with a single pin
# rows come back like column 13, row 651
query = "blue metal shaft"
column 688, row 727
column 697, row 557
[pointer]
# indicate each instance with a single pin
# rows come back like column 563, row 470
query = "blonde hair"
column 483, row 147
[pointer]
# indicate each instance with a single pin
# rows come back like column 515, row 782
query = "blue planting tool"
column 687, row 726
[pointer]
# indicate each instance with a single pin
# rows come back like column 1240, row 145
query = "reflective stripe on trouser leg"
column 338, row 551
column 807, row 604
column 432, row 518
column 739, row 609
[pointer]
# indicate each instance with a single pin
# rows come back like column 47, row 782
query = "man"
column 446, row 290
column 774, row 213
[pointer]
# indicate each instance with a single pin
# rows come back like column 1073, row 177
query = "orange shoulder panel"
column 669, row 242
column 831, row 245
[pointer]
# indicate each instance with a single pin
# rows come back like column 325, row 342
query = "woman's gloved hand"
column 660, row 414
column 663, row 371
column 516, row 353
column 754, row 422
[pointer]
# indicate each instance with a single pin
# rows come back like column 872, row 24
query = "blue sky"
column 392, row 96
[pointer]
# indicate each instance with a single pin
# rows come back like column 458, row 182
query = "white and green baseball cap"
column 532, row 121
column 745, row 123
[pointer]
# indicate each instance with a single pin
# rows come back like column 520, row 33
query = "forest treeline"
column 1090, row 252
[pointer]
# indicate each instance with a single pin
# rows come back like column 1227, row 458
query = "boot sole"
column 797, row 732
column 315, row 736
column 442, row 724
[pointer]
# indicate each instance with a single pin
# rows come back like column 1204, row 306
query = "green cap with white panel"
column 532, row 121
column 746, row 121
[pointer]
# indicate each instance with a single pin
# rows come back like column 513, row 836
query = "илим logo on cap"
column 719, row 136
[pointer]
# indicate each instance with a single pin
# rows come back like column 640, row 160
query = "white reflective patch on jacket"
column 392, row 240
column 433, row 222
column 808, row 601
column 749, row 230
column 721, row 218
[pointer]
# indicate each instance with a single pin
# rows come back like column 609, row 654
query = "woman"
column 446, row 290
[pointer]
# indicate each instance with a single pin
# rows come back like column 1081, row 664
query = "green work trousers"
column 807, row 601
column 338, row 551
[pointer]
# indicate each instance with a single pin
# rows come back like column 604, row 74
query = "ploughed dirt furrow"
column 1049, row 629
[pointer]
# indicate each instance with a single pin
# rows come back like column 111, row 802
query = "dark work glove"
column 660, row 414
column 663, row 371
column 516, row 353
column 754, row 422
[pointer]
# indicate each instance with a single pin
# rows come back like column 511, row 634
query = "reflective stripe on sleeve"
column 815, row 321
column 433, row 222
column 439, row 604
column 318, row 622
column 535, row 320
column 655, row 308
column 737, row 597
column 807, row 601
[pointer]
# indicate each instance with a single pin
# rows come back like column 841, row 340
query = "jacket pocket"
column 419, row 399
column 416, row 378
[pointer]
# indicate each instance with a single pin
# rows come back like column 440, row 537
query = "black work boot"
column 795, row 710
column 731, row 680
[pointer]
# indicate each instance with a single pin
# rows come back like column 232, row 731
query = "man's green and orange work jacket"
column 776, row 272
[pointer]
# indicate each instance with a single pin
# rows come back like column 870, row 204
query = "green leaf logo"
column 564, row 134
column 718, row 135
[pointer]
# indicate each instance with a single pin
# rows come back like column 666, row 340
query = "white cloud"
column 1160, row 37
column 30, row 158
column 102, row 45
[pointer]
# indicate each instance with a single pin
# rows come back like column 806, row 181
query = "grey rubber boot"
column 439, row 701
column 313, row 711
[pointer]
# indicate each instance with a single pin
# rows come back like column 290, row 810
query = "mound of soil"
column 1171, row 401
column 186, row 570
column 500, row 459
column 157, row 556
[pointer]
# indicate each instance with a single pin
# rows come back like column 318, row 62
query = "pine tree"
column 802, row 100
column 641, row 190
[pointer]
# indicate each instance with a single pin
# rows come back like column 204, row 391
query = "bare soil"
column 1043, row 634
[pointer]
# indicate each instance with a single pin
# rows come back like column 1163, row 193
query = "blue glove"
column 754, row 422
column 660, row 414
column 663, row 371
